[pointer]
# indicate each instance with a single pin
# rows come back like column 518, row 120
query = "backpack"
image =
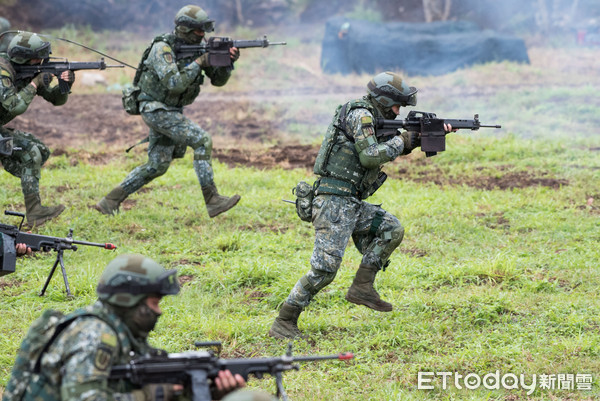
column 39, row 337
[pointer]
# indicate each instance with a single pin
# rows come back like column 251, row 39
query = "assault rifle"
column 39, row 243
column 57, row 67
column 218, row 49
column 197, row 369
column 433, row 135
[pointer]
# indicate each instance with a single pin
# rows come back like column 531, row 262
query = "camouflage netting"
column 354, row 46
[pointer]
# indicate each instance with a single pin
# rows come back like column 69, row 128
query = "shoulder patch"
column 7, row 82
column 168, row 57
column 102, row 358
column 4, row 73
column 109, row 339
column 366, row 120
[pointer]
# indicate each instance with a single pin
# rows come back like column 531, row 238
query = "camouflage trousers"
column 375, row 232
column 26, row 163
column 170, row 135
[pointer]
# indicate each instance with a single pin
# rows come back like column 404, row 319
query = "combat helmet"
column 27, row 46
column 128, row 279
column 191, row 17
column 388, row 89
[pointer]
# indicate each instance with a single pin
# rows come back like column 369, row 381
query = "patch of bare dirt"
column 239, row 130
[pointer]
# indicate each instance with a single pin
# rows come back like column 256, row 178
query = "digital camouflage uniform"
column 77, row 363
column 348, row 167
column 167, row 85
column 338, row 209
column 15, row 97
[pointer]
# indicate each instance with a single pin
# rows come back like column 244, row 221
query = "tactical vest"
column 338, row 162
column 29, row 383
column 8, row 74
column 152, row 88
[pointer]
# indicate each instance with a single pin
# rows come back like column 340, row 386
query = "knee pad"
column 204, row 152
column 157, row 169
column 315, row 280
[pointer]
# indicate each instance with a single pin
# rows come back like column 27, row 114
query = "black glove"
column 42, row 80
column 411, row 139
column 203, row 60
column 71, row 80
column 236, row 55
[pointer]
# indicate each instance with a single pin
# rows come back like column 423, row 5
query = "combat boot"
column 111, row 202
column 38, row 214
column 215, row 203
column 286, row 324
column 361, row 292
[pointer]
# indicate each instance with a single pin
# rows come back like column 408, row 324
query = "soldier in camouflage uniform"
column 76, row 363
column 167, row 85
column 15, row 96
column 349, row 166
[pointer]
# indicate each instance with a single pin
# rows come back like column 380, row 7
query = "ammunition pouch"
column 6, row 146
column 130, row 99
column 375, row 186
column 304, row 193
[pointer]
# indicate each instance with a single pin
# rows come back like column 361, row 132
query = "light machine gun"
column 197, row 369
column 218, row 49
column 433, row 135
column 39, row 243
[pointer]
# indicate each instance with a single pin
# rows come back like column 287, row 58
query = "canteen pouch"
column 304, row 196
column 130, row 99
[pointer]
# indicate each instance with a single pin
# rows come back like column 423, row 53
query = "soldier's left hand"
column 23, row 249
column 234, row 54
column 226, row 382
column 448, row 128
column 68, row 76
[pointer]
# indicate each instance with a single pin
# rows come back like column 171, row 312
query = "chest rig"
column 338, row 163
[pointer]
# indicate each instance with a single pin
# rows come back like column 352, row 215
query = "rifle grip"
column 63, row 86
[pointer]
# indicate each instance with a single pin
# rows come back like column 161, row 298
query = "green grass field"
column 498, row 272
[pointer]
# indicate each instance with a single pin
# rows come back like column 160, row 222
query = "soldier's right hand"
column 42, row 80
column 161, row 392
column 203, row 60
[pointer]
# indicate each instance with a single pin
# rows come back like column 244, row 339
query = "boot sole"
column 234, row 201
column 368, row 304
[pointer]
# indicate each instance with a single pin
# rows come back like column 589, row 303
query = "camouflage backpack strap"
column 61, row 326
column 346, row 108
column 165, row 37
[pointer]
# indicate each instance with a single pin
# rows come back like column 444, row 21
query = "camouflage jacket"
column 350, row 159
column 17, row 95
column 169, row 83
column 78, row 361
